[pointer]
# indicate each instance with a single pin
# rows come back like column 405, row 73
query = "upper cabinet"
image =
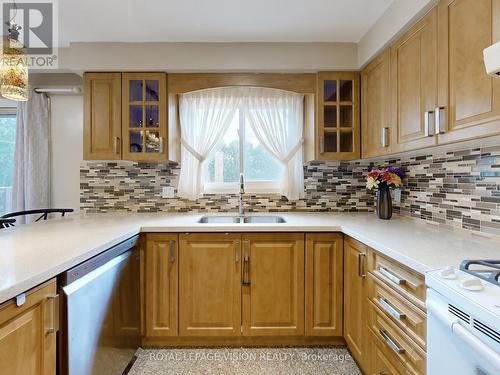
column 470, row 99
column 414, row 86
column 125, row 116
column 144, row 116
column 338, row 127
column 102, row 116
column 440, row 92
column 376, row 106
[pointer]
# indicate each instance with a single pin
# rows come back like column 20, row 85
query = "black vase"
column 384, row 202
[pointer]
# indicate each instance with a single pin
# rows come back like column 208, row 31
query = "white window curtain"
column 31, row 182
column 205, row 117
column 277, row 119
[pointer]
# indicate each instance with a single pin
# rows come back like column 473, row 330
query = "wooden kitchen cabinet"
column 161, row 282
column 324, row 284
column 338, row 127
column 210, row 284
column 273, row 284
column 28, row 333
column 355, row 301
column 414, row 85
column 102, row 116
column 144, row 116
column 376, row 120
column 469, row 97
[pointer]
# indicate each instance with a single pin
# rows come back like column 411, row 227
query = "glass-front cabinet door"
column 144, row 117
column 338, row 128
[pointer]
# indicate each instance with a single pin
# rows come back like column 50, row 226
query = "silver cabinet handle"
column 172, row 251
column 53, row 327
column 391, row 310
column 390, row 342
column 161, row 145
column 385, row 137
column 361, row 263
column 440, row 120
column 321, row 145
column 428, row 124
column 391, row 277
column 116, row 144
column 246, row 266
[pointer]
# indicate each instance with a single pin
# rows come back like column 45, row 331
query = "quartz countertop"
column 34, row 253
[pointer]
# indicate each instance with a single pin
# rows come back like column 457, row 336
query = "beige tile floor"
column 243, row 361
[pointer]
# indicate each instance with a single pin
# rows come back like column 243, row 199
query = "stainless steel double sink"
column 245, row 219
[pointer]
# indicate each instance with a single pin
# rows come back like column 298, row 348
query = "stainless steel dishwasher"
column 100, row 325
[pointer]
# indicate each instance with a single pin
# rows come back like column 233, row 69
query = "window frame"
column 258, row 187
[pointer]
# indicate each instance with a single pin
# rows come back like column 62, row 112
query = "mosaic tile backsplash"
column 457, row 188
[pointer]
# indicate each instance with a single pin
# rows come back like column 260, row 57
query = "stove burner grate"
column 485, row 269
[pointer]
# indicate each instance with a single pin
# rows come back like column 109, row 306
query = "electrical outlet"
column 167, row 192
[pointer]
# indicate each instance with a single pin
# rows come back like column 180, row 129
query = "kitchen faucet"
column 241, row 207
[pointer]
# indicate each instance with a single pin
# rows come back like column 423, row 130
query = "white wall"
column 395, row 20
column 209, row 57
column 67, row 149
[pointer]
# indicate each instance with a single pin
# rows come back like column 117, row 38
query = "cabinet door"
column 161, row 297
column 324, row 284
column 355, row 316
column 273, row 284
column 28, row 333
column 414, row 85
column 144, row 106
column 471, row 98
column 210, row 285
column 102, row 113
column 376, row 106
column 338, row 130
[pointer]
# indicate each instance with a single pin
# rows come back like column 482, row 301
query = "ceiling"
column 217, row 20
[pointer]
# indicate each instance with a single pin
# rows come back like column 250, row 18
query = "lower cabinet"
column 161, row 283
column 355, row 302
column 324, row 291
column 251, row 287
column 28, row 333
column 210, row 285
column 273, row 284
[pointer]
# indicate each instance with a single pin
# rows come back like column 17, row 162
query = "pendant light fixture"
column 14, row 67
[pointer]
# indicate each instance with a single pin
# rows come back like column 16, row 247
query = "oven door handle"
column 464, row 335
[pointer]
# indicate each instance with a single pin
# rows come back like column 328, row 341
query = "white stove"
column 463, row 320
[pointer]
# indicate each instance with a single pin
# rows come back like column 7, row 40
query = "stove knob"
column 472, row 284
column 448, row 273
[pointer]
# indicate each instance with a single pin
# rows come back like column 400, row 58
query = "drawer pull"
column 391, row 310
column 391, row 277
column 390, row 342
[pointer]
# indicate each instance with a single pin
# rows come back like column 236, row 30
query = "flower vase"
column 384, row 202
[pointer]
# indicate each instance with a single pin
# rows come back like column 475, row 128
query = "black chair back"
column 8, row 220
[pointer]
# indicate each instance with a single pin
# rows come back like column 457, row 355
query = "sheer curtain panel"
column 204, row 119
column 31, row 182
column 277, row 119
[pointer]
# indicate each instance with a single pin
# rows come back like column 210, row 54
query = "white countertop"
column 34, row 253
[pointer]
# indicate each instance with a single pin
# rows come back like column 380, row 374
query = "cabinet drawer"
column 402, row 312
column 409, row 283
column 381, row 362
column 395, row 343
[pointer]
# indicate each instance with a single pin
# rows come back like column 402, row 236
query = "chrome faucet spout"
column 241, row 206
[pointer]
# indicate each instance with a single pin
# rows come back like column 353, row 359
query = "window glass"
column 7, row 148
column 241, row 152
